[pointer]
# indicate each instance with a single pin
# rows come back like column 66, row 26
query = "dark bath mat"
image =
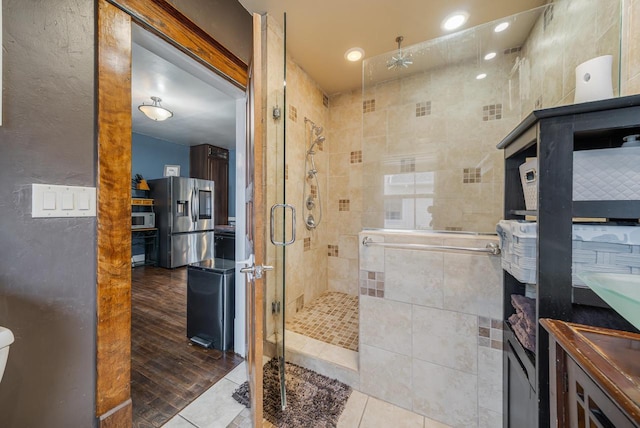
column 313, row 400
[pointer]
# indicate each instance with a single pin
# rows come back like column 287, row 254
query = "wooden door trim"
column 113, row 242
column 164, row 20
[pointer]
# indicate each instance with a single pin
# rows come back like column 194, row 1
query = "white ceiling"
column 204, row 104
column 318, row 35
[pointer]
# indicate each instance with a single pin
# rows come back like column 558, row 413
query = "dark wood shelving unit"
column 552, row 135
column 212, row 163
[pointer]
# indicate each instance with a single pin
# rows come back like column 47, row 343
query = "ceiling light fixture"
column 455, row 21
column 354, row 54
column 155, row 111
column 481, row 76
column 501, row 27
column 490, row 55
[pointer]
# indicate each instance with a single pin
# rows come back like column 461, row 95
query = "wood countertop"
column 610, row 357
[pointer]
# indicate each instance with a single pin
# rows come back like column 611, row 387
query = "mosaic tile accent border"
column 307, row 244
column 368, row 106
column 325, row 100
column 423, row 108
column 512, row 50
column 492, row 112
column 408, row 165
column 314, row 191
column 371, row 283
column 343, row 204
column 356, row 157
column 471, row 175
column 490, row 332
column 293, row 113
column 333, row 250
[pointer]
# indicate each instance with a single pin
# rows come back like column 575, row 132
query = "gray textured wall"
column 47, row 266
column 226, row 20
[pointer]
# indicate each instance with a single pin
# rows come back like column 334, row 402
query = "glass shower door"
column 282, row 214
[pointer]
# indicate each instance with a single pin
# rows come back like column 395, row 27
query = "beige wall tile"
column 444, row 394
column 386, row 375
column 490, row 379
column 414, row 277
column 446, row 338
column 385, row 324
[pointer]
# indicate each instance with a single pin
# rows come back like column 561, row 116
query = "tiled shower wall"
column 306, row 259
column 431, row 341
column 569, row 33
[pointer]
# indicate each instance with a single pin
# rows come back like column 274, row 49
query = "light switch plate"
column 50, row 200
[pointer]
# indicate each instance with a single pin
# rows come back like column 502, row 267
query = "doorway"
column 113, row 402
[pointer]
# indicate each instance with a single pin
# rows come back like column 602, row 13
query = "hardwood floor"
column 167, row 372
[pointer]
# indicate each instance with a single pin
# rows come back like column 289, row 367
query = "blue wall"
column 149, row 156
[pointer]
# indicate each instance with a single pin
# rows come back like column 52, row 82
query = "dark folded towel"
column 527, row 307
column 526, row 336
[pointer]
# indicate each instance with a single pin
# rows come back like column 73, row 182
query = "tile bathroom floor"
column 217, row 409
column 331, row 318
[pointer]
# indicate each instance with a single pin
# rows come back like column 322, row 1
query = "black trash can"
column 211, row 303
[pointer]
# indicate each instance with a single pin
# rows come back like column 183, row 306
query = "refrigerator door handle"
column 293, row 225
column 193, row 205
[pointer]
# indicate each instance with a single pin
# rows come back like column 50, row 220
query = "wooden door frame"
column 113, row 276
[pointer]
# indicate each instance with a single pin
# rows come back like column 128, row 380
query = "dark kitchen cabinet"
column 212, row 163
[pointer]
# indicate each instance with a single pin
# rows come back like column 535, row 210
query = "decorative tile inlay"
column 372, row 283
column 314, row 191
column 286, row 172
column 333, row 250
column 325, row 100
column 512, row 50
column 293, row 113
column 539, row 102
column 408, row 165
column 343, row 204
column 368, row 106
column 356, row 157
column 307, row 244
column 423, row 108
column 300, row 303
column 453, row 228
column 472, row 175
column 331, row 318
column 548, row 15
column 492, row 112
column 490, row 332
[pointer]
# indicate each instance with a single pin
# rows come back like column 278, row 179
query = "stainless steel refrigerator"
column 184, row 218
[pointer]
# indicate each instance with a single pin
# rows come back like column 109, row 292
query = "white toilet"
column 6, row 339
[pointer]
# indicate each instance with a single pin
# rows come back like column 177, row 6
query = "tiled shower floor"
column 331, row 318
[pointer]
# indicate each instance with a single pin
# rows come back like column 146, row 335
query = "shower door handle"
column 273, row 225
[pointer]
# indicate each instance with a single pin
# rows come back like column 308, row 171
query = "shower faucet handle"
column 256, row 270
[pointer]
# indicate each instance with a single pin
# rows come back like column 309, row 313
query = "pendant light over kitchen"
column 155, row 111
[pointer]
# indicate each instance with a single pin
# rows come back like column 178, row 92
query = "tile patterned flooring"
column 216, row 409
column 331, row 318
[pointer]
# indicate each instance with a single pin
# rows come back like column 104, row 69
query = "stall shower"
column 311, row 191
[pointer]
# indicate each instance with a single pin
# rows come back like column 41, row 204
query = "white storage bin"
column 606, row 174
column 596, row 248
column 598, row 175
column 529, row 180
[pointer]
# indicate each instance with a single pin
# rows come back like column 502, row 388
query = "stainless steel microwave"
column 143, row 220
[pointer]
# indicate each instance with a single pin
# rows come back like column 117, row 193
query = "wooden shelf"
column 141, row 201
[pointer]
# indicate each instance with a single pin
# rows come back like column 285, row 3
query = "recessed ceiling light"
column 455, row 21
column 481, row 76
column 354, row 54
column 490, row 55
column 501, row 27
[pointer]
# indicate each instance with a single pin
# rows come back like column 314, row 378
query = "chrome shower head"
column 319, row 140
column 401, row 59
